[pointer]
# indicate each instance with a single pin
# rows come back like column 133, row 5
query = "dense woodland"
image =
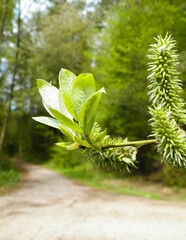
column 107, row 38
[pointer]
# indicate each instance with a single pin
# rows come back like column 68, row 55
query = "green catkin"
column 116, row 159
column 171, row 139
column 167, row 105
column 165, row 88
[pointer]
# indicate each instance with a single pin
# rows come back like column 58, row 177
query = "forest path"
column 51, row 207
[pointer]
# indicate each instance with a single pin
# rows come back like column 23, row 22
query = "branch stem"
column 134, row 143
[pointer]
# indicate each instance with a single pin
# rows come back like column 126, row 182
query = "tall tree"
column 62, row 42
column 15, row 69
column 6, row 16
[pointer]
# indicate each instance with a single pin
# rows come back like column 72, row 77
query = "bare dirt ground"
column 48, row 206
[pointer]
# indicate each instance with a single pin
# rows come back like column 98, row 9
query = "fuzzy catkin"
column 117, row 159
column 171, row 139
column 167, row 109
column 165, row 87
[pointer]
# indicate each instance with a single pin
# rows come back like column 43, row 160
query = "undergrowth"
column 92, row 176
column 9, row 173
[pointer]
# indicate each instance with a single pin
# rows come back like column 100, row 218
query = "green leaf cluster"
column 73, row 108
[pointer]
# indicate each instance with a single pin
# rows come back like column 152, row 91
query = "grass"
column 9, row 176
column 135, row 186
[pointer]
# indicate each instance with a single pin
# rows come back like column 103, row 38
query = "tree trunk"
column 5, row 122
column 2, row 28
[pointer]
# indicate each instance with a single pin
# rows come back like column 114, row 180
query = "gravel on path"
column 51, row 207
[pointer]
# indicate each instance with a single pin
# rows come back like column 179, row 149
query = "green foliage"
column 9, row 174
column 9, row 178
column 174, row 177
column 82, row 133
column 83, row 87
column 88, row 110
column 48, row 121
column 59, row 38
column 66, row 80
column 61, row 158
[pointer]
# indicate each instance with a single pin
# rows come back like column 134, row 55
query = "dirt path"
column 51, row 207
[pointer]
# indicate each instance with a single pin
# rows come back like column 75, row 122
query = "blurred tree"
column 13, row 79
column 60, row 41
column 50, row 40
column 6, row 17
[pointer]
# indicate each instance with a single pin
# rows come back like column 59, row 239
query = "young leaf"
column 66, row 105
column 65, row 120
column 64, row 144
column 82, row 142
column 88, row 110
column 83, row 88
column 48, row 121
column 66, row 80
column 66, row 131
column 73, row 146
column 101, row 136
column 49, row 94
column 62, row 106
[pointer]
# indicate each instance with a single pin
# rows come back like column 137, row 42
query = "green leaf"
column 73, row 146
column 66, row 105
column 83, row 88
column 48, row 121
column 66, row 80
column 65, row 120
column 67, row 132
column 49, row 94
column 64, row 144
column 62, row 106
column 82, row 142
column 101, row 136
column 88, row 110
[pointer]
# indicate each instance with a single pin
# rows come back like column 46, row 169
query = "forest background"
column 109, row 38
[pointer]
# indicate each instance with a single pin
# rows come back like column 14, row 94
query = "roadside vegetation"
column 9, row 175
column 149, row 186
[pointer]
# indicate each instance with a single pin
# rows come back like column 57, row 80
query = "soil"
column 48, row 206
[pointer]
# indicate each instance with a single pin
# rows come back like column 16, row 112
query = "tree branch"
column 134, row 143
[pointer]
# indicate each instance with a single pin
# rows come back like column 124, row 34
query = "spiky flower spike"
column 171, row 139
column 165, row 87
column 167, row 106
column 117, row 159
